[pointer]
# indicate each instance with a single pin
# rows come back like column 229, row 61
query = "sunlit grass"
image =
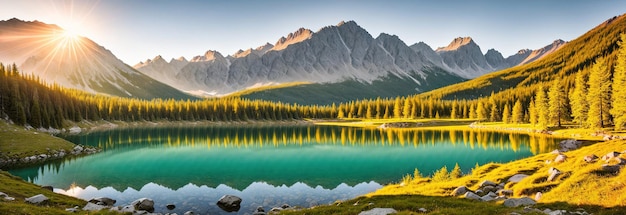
column 579, row 184
column 17, row 142
column 19, row 189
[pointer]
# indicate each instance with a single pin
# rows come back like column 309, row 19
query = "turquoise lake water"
column 193, row 166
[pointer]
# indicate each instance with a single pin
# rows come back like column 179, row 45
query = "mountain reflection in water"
column 239, row 157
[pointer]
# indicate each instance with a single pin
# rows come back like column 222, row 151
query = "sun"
column 70, row 34
column 71, row 30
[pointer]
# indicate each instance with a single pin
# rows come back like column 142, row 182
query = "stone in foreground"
column 470, row 195
column 38, row 199
column 94, row 207
column 459, row 191
column 379, row 211
column 517, row 178
column 143, row 204
column 229, row 203
column 524, row 201
column 103, row 201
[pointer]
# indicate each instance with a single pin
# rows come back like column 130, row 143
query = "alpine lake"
column 266, row 165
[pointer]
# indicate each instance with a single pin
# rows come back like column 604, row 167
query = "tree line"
column 594, row 99
column 26, row 100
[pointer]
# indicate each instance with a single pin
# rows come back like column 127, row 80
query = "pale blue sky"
column 135, row 30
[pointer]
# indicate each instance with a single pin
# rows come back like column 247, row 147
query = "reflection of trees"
column 277, row 136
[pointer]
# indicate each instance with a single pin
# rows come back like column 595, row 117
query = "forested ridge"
column 26, row 100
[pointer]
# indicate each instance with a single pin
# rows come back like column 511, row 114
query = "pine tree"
column 481, row 113
column 506, row 114
column 532, row 113
column 578, row 99
column 557, row 103
column 441, row 175
column 397, row 108
column 618, row 96
column 517, row 114
column 541, row 107
column 453, row 112
column 406, row 110
column 494, row 114
column 598, row 95
column 456, row 172
column 417, row 174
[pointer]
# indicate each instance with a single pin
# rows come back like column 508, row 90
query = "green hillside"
column 326, row 94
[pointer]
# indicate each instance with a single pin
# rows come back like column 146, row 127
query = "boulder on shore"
column 568, row 145
column 524, row 201
column 470, row 195
column 459, row 191
column 229, row 203
column 103, row 201
column 143, row 204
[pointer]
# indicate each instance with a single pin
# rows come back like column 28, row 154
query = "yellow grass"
column 580, row 183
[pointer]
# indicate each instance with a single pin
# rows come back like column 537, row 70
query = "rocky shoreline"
column 51, row 154
column 227, row 203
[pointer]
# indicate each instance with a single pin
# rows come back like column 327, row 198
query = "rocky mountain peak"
column 180, row 59
column 264, row 48
column 495, row 59
column 208, row 56
column 458, row 43
column 295, row 37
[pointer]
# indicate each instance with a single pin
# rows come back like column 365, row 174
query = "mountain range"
column 345, row 56
column 338, row 63
column 74, row 62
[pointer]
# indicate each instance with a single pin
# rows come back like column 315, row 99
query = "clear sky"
column 135, row 30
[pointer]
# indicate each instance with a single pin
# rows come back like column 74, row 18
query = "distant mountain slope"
column 345, row 54
column 345, row 91
column 74, row 62
column 574, row 56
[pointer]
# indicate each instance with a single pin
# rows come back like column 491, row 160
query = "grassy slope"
column 580, row 186
column 581, row 183
column 17, row 142
column 20, row 189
